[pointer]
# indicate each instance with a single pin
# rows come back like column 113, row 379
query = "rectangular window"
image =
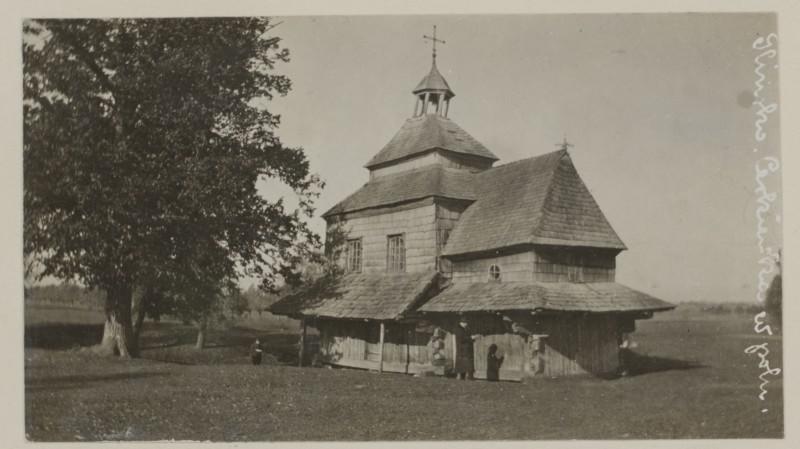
column 353, row 255
column 395, row 253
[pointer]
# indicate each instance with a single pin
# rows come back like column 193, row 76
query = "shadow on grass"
column 173, row 342
column 639, row 364
column 84, row 380
column 62, row 335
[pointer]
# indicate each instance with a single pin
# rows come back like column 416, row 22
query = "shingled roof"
column 539, row 200
column 434, row 81
column 555, row 296
column 377, row 296
column 426, row 133
column 433, row 180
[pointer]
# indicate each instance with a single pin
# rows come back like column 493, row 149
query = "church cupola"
column 433, row 93
column 429, row 137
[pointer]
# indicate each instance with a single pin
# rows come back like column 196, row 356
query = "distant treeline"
column 71, row 295
column 723, row 308
column 66, row 295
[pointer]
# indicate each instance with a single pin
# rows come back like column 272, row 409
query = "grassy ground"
column 692, row 380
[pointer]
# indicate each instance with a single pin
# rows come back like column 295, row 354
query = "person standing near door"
column 465, row 359
column 493, row 363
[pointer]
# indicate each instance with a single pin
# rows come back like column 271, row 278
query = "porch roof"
column 555, row 296
column 376, row 296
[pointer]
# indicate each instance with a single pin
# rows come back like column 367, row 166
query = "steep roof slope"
column 429, row 132
column 540, row 200
column 433, row 180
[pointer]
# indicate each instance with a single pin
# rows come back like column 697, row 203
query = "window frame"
column 499, row 273
column 390, row 266
column 348, row 265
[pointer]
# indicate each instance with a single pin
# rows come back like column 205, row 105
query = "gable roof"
column 540, row 200
column 434, row 81
column 378, row 296
column 554, row 296
column 429, row 132
column 432, row 180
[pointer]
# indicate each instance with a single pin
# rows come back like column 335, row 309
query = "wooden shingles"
column 555, row 296
column 376, row 296
column 426, row 133
column 433, row 180
column 540, row 200
column 571, row 216
column 509, row 205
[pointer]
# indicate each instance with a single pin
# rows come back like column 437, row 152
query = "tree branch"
column 88, row 60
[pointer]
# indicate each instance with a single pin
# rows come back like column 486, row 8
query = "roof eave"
column 448, row 93
column 374, row 165
column 577, row 243
column 392, row 204
column 528, row 245
column 550, row 310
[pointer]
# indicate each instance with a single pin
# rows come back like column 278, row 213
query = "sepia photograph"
column 415, row 228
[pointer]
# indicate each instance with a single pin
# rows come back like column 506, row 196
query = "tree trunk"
column 118, row 335
column 144, row 305
column 302, row 351
column 201, row 334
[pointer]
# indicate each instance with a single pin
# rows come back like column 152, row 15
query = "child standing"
column 493, row 363
column 256, row 352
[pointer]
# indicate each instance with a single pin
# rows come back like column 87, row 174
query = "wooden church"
column 440, row 234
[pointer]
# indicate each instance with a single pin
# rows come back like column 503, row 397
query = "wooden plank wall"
column 464, row 162
column 418, row 227
column 450, row 160
column 447, row 216
column 342, row 340
column 573, row 265
column 350, row 343
column 574, row 344
column 580, row 345
column 489, row 329
column 408, row 164
column 513, row 349
column 513, row 268
column 539, row 265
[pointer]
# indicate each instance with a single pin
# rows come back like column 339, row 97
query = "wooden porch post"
column 410, row 333
column 380, row 351
column 302, row 342
column 455, row 347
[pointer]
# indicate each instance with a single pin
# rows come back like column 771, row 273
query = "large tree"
column 144, row 140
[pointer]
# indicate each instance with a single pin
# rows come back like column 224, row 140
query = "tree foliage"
column 143, row 143
column 318, row 277
column 258, row 300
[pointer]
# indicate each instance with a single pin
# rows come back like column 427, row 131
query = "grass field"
column 692, row 380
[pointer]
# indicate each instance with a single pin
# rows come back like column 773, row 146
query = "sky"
column 658, row 107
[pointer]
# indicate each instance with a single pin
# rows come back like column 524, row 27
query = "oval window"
column 494, row 273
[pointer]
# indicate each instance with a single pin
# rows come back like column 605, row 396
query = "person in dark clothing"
column 625, row 353
column 256, row 352
column 493, row 363
column 465, row 363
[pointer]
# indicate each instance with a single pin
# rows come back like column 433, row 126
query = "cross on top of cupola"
column 433, row 93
